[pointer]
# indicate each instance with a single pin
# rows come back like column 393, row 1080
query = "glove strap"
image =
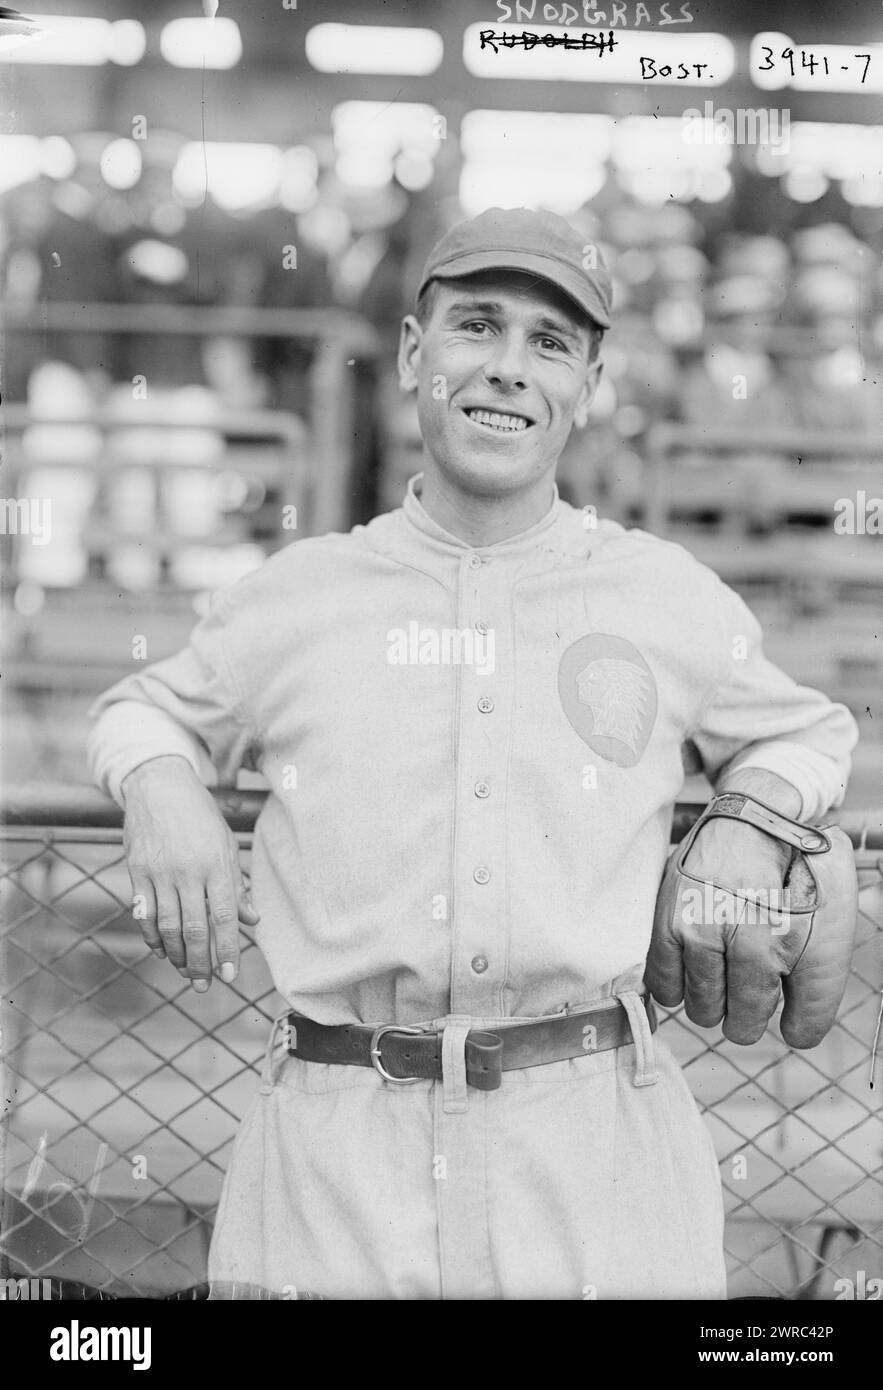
column 739, row 806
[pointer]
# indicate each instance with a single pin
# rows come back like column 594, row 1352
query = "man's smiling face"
column 502, row 372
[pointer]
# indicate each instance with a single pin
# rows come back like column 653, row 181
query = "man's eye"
column 551, row 342
column 475, row 324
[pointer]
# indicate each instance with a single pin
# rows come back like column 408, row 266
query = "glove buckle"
column 739, row 806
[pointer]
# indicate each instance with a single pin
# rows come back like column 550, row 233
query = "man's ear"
column 587, row 395
column 410, row 340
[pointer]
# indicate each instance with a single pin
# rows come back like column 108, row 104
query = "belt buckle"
column 375, row 1053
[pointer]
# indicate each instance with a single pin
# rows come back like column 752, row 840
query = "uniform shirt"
column 472, row 753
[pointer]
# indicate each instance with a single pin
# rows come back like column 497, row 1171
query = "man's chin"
column 488, row 473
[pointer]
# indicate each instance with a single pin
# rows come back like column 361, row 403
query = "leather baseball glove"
column 726, row 950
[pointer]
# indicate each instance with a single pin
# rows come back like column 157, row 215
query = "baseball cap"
column 540, row 243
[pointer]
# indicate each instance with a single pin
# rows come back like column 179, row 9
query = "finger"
column 815, row 987
column 664, row 974
column 248, row 913
column 195, row 934
column 753, row 982
column 812, row 998
column 705, row 974
column 168, row 917
column 224, row 912
column 144, row 912
column 818, row 979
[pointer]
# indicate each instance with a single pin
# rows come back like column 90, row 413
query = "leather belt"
column 403, row 1055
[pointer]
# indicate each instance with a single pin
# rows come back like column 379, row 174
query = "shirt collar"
column 418, row 517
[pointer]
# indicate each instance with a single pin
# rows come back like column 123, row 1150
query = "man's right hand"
column 183, row 862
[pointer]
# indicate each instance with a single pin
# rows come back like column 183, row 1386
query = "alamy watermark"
column 858, row 516
column 744, row 126
column 446, row 646
column 25, row 1290
column 707, row 905
column 85, row 1343
column 27, row 516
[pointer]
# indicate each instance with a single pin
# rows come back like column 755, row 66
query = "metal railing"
column 123, row 1088
column 802, row 473
column 334, row 338
column 67, row 641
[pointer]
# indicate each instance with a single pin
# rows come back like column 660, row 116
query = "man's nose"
column 507, row 366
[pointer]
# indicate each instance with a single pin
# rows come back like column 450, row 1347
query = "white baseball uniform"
column 472, row 757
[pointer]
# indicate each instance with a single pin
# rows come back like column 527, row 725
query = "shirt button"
column 479, row 964
column 481, row 627
column 481, row 874
column 474, row 562
column 485, row 704
column 482, row 789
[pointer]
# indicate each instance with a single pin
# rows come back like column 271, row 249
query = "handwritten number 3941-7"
column 789, row 54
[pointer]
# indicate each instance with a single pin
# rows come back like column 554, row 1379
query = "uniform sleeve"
column 757, row 716
column 185, row 705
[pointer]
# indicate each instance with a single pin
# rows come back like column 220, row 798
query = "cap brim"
column 555, row 272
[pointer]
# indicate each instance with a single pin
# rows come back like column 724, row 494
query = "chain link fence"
column 122, row 1088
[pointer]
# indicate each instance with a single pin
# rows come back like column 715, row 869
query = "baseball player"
column 474, row 715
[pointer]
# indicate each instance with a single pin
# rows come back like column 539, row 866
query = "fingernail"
column 200, row 986
column 228, row 972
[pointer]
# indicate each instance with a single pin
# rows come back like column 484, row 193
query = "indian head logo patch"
column 609, row 695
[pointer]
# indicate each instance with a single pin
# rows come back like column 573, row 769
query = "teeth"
column 513, row 423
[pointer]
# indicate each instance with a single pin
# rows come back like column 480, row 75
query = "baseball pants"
column 569, row 1182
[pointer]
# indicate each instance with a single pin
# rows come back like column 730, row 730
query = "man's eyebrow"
column 474, row 306
column 492, row 306
column 566, row 330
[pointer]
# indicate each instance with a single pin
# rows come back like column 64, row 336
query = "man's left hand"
column 732, row 944
column 742, row 923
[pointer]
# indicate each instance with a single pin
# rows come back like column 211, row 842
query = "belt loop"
column 456, row 1098
column 645, row 1056
column 272, row 1064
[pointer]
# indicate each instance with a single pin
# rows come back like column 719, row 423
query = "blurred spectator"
column 286, row 269
column 54, row 253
